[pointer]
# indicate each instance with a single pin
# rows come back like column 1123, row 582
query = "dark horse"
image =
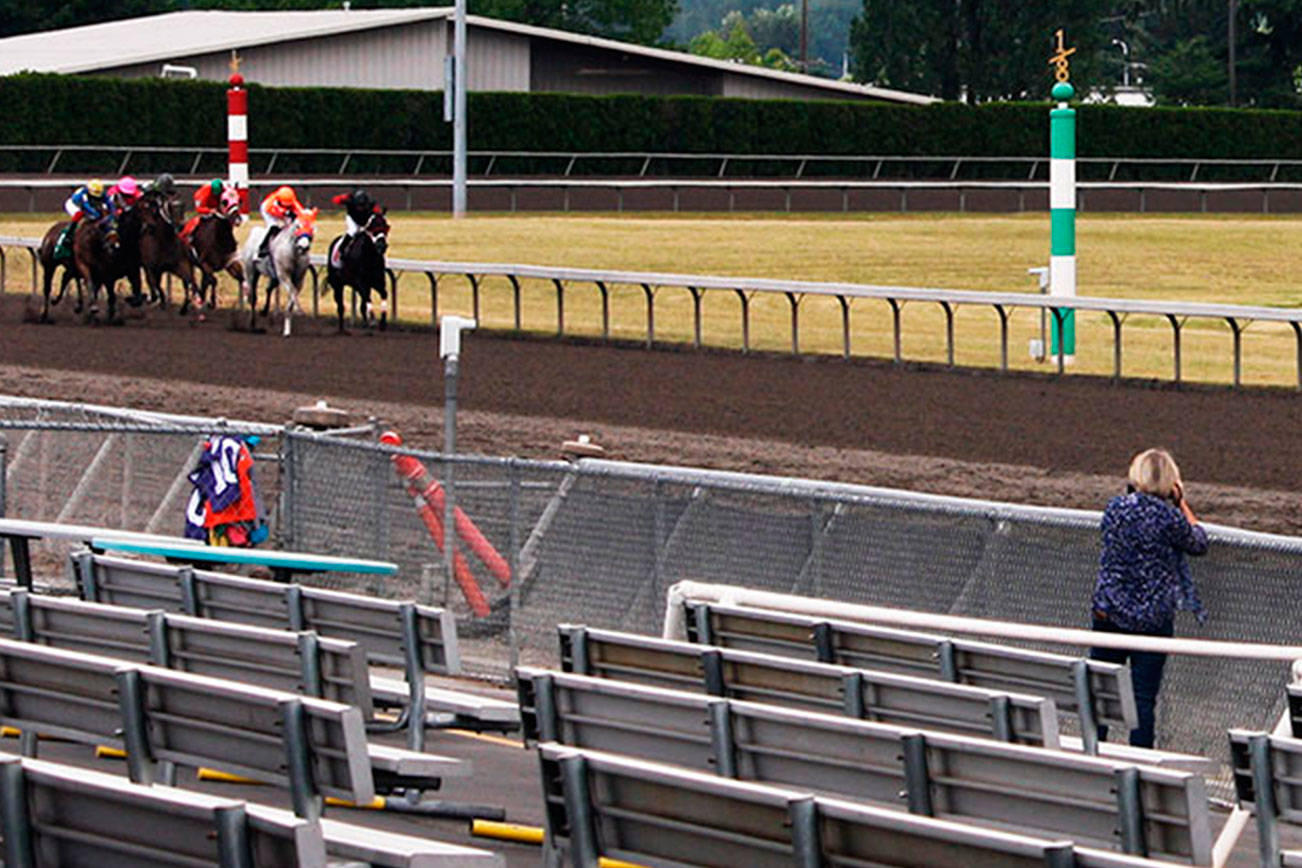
column 161, row 249
column 99, row 254
column 361, row 266
column 213, row 246
column 50, row 264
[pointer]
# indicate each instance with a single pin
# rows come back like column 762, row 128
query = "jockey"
column 279, row 209
column 125, row 193
column 164, row 185
column 208, row 198
column 358, row 208
column 89, row 201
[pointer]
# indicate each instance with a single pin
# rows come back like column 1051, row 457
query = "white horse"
column 285, row 263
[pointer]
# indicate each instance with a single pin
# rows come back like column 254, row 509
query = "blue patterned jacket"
column 1143, row 574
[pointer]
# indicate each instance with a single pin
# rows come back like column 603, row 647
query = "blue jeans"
column 1145, row 675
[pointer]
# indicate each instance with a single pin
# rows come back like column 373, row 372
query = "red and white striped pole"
column 237, row 133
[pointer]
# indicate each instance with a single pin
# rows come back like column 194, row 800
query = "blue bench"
column 284, row 566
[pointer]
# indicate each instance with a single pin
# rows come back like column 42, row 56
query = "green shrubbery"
column 54, row 109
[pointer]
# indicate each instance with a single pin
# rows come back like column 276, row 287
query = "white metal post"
column 450, row 328
column 459, row 111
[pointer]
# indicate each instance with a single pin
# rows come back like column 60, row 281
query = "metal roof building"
column 403, row 48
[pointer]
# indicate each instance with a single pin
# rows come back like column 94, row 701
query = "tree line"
column 1179, row 51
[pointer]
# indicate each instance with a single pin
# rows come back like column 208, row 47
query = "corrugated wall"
column 410, row 56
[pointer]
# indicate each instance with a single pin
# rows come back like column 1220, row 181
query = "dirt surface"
column 1021, row 438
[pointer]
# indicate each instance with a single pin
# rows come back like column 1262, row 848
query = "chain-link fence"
column 600, row 543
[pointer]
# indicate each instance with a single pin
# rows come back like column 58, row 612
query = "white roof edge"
column 796, row 78
column 371, row 19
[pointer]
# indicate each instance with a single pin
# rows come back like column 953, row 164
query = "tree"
column 976, row 50
column 776, row 28
column 1189, row 73
column 732, row 41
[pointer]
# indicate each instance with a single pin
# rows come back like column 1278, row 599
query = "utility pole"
column 804, row 36
column 1234, row 13
column 459, row 110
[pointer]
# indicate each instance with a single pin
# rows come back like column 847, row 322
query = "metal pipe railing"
column 1237, row 317
column 794, row 166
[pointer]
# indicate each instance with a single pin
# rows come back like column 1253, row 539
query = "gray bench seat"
column 1140, row 810
column 601, row 805
column 823, row 687
column 417, row 639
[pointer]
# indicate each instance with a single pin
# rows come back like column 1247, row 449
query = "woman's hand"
column 1177, row 497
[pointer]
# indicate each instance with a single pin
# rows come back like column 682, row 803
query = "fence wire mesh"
column 600, row 543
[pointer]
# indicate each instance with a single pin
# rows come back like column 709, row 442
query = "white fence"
column 1237, row 317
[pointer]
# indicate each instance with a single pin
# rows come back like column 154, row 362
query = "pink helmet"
column 128, row 186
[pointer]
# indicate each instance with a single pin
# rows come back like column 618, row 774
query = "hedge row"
column 52, row 109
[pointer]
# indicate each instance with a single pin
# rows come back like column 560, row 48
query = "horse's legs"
column 378, row 287
column 49, row 279
column 252, row 292
column 337, row 287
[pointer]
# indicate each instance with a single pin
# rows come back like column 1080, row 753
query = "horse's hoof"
column 136, row 300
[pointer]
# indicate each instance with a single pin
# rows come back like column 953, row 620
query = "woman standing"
column 1143, row 575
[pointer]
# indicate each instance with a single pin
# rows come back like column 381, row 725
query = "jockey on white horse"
column 280, row 251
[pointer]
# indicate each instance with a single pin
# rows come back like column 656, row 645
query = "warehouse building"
column 402, row 48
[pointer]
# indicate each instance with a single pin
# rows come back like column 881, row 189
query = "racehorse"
column 285, row 263
column 213, row 246
column 163, row 252
column 361, row 266
column 49, row 265
column 97, row 250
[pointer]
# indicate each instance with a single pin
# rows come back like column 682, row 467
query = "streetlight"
column 450, row 328
column 1125, row 61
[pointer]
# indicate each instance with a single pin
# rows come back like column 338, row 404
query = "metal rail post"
column 513, row 561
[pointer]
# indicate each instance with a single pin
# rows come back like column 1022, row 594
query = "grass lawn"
column 1244, row 260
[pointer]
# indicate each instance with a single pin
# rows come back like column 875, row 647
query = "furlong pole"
column 237, row 133
column 459, row 110
column 1062, row 217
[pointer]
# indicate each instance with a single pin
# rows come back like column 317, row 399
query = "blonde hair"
column 1154, row 471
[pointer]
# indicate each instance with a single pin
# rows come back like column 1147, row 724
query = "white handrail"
column 675, row 626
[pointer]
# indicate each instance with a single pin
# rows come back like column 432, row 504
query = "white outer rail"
column 1237, row 317
column 799, row 161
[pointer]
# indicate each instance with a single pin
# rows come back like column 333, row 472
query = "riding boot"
column 266, row 241
column 61, row 248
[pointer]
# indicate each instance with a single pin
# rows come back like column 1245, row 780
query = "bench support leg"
column 15, row 819
column 1263, row 787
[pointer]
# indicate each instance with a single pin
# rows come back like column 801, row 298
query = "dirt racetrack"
column 1021, row 438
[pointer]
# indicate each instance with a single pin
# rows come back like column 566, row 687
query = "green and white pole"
column 1062, row 216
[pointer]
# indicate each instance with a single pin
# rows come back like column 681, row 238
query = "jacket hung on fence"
column 224, row 508
column 1144, row 576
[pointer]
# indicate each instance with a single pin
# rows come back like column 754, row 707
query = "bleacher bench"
column 297, row 662
column 417, row 639
column 56, row 816
column 53, row 815
column 822, row 687
column 1098, row 693
column 1268, row 782
column 1139, row 810
column 601, row 805
column 162, row 719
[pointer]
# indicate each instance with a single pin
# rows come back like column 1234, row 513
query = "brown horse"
column 213, row 246
column 49, row 265
column 162, row 251
column 97, row 252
